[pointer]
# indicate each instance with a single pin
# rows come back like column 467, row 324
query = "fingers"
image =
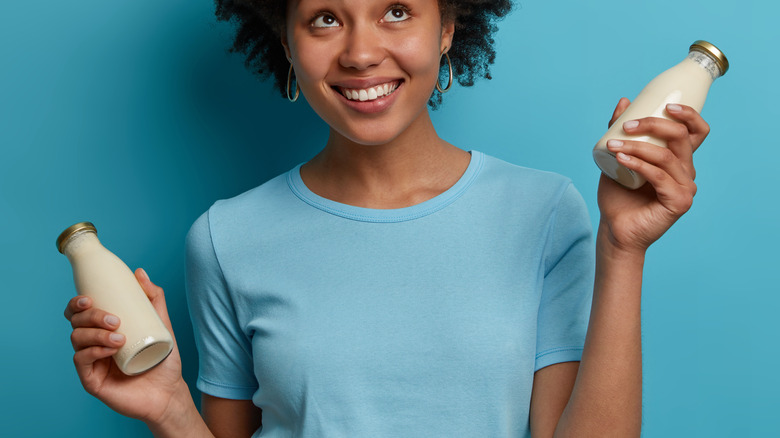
column 92, row 365
column 698, row 129
column 622, row 104
column 77, row 304
column 152, row 290
column 675, row 135
column 83, row 338
column 93, row 339
column 95, row 318
column 85, row 360
column 655, row 159
column 672, row 183
column 156, row 296
column 93, row 329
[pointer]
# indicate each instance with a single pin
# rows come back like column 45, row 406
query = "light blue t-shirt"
column 426, row 321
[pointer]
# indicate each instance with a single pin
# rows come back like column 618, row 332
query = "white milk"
column 687, row 83
column 102, row 276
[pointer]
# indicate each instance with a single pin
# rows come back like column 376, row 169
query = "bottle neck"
column 707, row 62
column 79, row 243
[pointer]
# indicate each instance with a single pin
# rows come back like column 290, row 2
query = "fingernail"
column 614, row 144
column 630, row 124
column 111, row 320
column 623, row 157
column 116, row 337
column 144, row 275
column 673, row 108
column 82, row 302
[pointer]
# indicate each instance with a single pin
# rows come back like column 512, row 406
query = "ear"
column 285, row 44
column 447, row 34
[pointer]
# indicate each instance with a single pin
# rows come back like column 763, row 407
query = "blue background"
column 134, row 116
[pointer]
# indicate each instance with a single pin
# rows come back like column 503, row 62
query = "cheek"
column 419, row 56
column 312, row 65
column 312, row 58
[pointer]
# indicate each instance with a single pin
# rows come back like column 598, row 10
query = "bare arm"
column 230, row 418
column 181, row 418
column 606, row 398
column 551, row 391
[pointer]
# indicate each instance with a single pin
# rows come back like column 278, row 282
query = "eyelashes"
column 396, row 13
column 392, row 17
column 324, row 20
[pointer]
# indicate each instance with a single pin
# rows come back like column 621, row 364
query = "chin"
column 371, row 134
column 373, row 140
column 371, row 128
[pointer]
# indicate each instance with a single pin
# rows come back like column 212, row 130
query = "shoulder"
column 256, row 205
column 254, row 201
column 229, row 219
column 498, row 171
column 518, row 185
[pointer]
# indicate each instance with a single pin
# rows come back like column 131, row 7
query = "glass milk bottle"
column 686, row 83
column 102, row 276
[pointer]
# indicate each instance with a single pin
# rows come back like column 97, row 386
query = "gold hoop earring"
column 289, row 82
column 449, row 79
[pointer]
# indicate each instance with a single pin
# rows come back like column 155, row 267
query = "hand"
column 147, row 396
column 634, row 219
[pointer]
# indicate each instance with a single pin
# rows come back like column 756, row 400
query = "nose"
column 363, row 48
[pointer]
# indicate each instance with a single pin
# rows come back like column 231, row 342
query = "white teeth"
column 369, row 93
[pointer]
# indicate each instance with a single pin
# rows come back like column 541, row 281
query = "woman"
column 396, row 284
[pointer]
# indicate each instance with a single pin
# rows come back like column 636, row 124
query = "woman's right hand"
column 149, row 396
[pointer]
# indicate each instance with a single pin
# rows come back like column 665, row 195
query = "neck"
column 411, row 168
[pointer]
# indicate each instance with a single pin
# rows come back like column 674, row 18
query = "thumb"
column 623, row 103
column 156, row 296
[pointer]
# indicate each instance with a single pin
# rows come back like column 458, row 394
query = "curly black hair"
column 259, row 24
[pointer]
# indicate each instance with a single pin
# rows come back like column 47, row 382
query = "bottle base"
column 608, row 164
column 147, row 357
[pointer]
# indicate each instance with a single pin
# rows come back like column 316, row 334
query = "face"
column 367, row 67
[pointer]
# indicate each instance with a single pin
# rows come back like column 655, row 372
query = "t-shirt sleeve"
column 224, row 350
column 568, row 283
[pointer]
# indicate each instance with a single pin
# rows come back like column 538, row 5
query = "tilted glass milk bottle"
column 687, row 83
column 102, row 276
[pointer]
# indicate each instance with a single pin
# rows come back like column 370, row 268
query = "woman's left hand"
column 634, row 219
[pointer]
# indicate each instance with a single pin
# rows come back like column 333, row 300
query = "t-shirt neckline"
column 296, row 184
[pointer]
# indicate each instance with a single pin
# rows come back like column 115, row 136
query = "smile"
column 371, row 93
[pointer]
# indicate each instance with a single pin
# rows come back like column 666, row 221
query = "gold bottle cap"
column 710, row 49
column 73, row 229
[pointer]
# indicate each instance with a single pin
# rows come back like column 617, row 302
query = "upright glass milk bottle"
column 686, row 83
column 102, row 276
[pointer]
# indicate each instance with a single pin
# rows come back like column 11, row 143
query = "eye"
column 395, row 14
column 325, row 20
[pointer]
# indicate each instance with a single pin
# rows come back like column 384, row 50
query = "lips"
column 369, row 93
